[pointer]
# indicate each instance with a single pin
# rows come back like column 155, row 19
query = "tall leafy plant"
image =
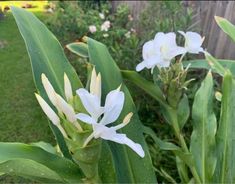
column 99, row 161
column 209, row 157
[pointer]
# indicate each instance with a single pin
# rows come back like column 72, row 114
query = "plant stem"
column 183, row 144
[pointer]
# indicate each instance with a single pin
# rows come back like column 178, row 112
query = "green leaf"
column 203, row 64
column 226, row 26
column 18, row 158
column 168, row 146
column 130, row 168
column 204, row 128
column 183, row 111
column 225, row 136
column 167, row 176
column 152, row 89
column 149, row 87
column 46, row 56
column 31, row 170
column 46, row 146
column 182, row 170
column 78, row 48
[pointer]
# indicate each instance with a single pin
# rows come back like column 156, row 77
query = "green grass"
column 21, row 118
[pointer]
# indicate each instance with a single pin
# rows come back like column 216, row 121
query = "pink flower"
column 105, row 26
column 92, row 29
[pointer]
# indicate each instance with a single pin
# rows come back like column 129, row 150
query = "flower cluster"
column 99, row 116
column 163, row 48
column 105, row 26
column 63, row 107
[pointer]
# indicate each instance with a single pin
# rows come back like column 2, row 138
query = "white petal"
column 93, row 81
column 149, row 50
column 49, row 89
column 66, row 109
column 113, row 106
column 176, row 51
column 85, row 118
column 48, row 110
column 194, row 39
column 91, row 103
column 98, row 86
column 164, row 64
column 159, row 39
column 122, row 139
column 170, row 39
column 140, row 66
column 67, row 88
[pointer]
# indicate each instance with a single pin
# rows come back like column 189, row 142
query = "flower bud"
column 49, row 89
column 48, row 110
column 67, row 88
column 68, row 111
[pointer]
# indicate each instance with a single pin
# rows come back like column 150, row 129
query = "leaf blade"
column 204, row 128
column 128, row 164
column 11, row 151
column 46, row 56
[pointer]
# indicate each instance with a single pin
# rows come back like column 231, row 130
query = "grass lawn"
column 21, row 118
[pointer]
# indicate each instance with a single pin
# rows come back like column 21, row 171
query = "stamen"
column 126, row 120
column 89, row 138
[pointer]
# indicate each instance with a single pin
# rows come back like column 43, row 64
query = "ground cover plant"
column 96, row 125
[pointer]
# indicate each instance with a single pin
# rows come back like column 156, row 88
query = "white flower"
column 49, row 89
column 193, row 42
column 67, row 88
column 113, row 106
column 50, row 113
column 128, row 34
column 105, row 35
column 92, row 28
column 160, row 51
column 101, row 15
column 92, row 101
column 150, row 55
column 61, row 105
column 105, row 26
column 166, row 44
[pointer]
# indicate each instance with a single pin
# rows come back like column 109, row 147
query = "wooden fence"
column 216, row 42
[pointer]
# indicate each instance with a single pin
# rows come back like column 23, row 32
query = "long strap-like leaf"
column 225, row 170
column 204, row 128
column 130, row 168
column 35, row 163
column 46, row 56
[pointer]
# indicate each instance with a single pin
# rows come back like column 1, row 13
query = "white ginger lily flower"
column 193, row 42
column 112, row 109
column 67, row 88
column 160, row 51
column 50, row 114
